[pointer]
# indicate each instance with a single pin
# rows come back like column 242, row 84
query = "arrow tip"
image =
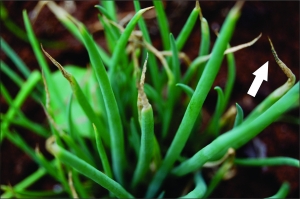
column 262, row 72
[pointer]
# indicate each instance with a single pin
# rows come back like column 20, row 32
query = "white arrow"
column 260, row 75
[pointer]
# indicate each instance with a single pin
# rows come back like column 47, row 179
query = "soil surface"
column 278, row 20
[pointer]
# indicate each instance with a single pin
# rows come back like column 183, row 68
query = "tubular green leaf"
column 24, row 122
column 111, row 9
column 187, row 28
column 200, row 189
column 5, row 94
column 213, row 127
column 33, row 194
column 82, row 100
column 15, row 58
column 162, row 23
column 239, row 115
column 89, row 171
column 274, row 161
column 11, row 74
column 102, row 153
column 26, row 182
column 121, row 43
column 205, row 44
column 205, row 38
column 25, row 91
column 197, row 100
column 73, row 131
column 283, row 191
column 109, row 34
column 41, row 59
column 10, row 25
column 69, row 22
column 16, row 78
column 77, row 150
column 173, row 91
column 230, row 79
column 153, row 67
column 188, row 90
column 104, row 12
column 240, row 135
column 20, row 33
column 35, row 46
column 134, row 137
column 147, row 145
column 114, row 122
column 147, row 129
column 175, row 59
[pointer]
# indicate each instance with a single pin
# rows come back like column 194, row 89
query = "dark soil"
column 278, row 20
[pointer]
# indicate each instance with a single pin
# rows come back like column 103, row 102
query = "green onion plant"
column 115, row 130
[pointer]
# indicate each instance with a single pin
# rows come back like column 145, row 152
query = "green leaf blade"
column 115, row 124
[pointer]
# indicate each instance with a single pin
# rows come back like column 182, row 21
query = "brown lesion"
column 59, row 66
column 291, row 77
column 142, row 98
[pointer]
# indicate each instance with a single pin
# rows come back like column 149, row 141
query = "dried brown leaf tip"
column 142, row 98
column 284, row 68
column 59, row 66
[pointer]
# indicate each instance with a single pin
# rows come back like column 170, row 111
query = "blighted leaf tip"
column 142, row 98
column 58, row 65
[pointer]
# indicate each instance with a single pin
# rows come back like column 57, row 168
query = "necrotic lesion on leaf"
column 142, row 98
